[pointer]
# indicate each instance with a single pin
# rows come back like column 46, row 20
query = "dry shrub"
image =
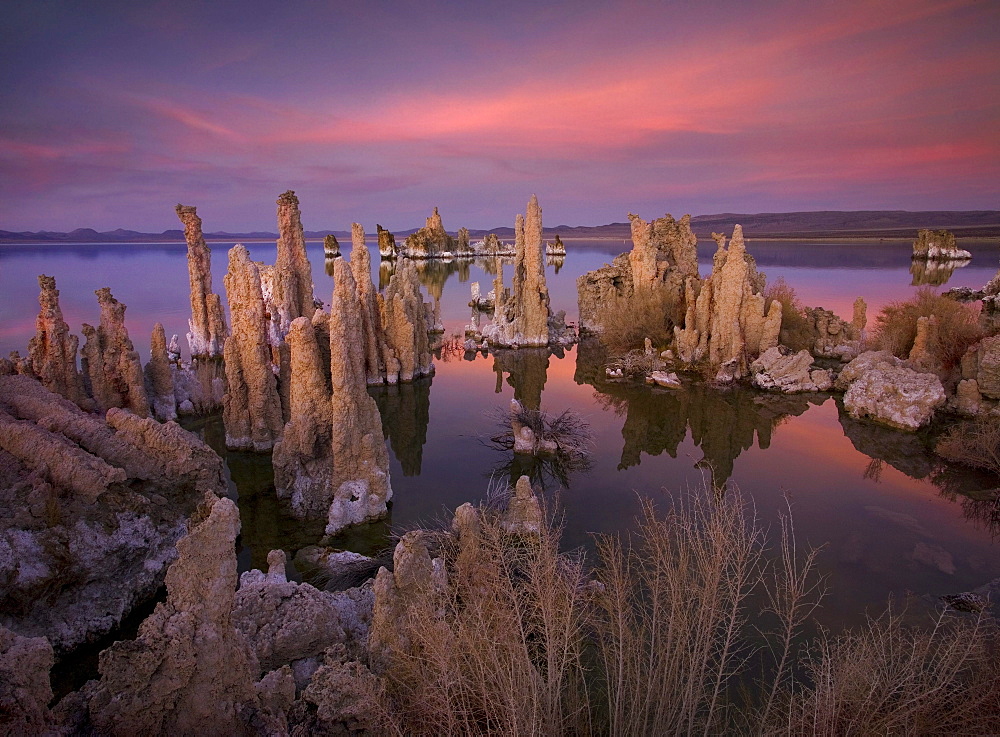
column 648, row 313
column 975, row 444
column 796, row 331
column 890, row 679
column 958, row 329
column 500, row 650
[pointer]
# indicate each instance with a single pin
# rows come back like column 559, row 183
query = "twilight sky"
column 112, row 112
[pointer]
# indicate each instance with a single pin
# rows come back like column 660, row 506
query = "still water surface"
column 888, row 517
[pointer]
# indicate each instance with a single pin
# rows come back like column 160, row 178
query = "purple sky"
column 112, row 112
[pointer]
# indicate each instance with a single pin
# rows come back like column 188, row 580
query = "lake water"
column 891, row 521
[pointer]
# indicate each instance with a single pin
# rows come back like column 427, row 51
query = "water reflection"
column 934, row 273
column 722, row 422
column 405, row 410
column 526, row 370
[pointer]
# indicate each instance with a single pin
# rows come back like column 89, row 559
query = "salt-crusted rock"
column 189, row 671
column 938, row 245
column 25, row 691
column 833, row 336
column 360, row 459
column 521, row 314
column 599, row 288
column 111, row 361
column 880, row 387
column 90, row 510
column 159, row 380
column 252, row 415
column 726, row 322
column 370, row 318
column 292, row 286
column 921, row 355
column 338, row 569
column 286, row 621
column 331, row 248
column 524, row 512
column 666, row 379
column 52, row 351
column 968, row 399
column 780, row 368
column 386, row 243
column 405, row 326
column 406, row 591
column 431, row 241
column 302, row 458
column 208, row 322
column 987, row 366
column 556, row 247
column 462, row 247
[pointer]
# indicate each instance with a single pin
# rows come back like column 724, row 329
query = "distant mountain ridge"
column 829, row 223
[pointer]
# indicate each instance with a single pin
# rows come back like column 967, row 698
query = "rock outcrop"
column 111, row 361
column 834, row 337
column 289, row 623
column 25, row 691
column 360, row 459
column 189, row 671
column 780, row 368
column 521, row 315
column 208, row 322
column 302, row 458
column 159, row 379
column 92, row 509
column 371, row 321
column 938, row 245
column 292, row 286
column 431, row 241
column 405, row 327
column 52, row 352
column 881, row 387
column 331, row 247
column 387, row 248
column 725, row 322
column 252, row 412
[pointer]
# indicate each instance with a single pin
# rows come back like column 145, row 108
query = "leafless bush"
column 890, row 679
column 633, row 363
column 975, row 443
column 626, row 322
column 796, row 331
column 958, row 328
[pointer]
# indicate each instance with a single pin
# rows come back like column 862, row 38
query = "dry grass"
column 523, row 639
column 796, row 331
column 958, row 328
column 889, row 679
column 626, row 322
column 975, row 443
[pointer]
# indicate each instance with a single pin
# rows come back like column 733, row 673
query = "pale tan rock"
column 404, row 325
column 302, row 458
column 968, row 399
column 25, row 691
column 360, row 459
column 91, row 511
column 988, row 367
column 779, row 368
column 666, row 379
column 112, row 362
column 921, row 355
column 159, row 380
column 208, row 322
column 521, row 316
column 386, row 243
column 860, row 319
column 285, row 621
column 370, row 316
column 189, row 671
column 938, row 245
column 881, row 387
column 252, row 415
column 462, row 246
column 523, row 515
column 555, row 248
column 52, row 351
column 431, row 241
column 293, row 284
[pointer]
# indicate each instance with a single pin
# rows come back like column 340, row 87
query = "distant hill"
column 829, row 224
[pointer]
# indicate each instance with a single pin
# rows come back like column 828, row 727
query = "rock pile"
column 938, row 245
